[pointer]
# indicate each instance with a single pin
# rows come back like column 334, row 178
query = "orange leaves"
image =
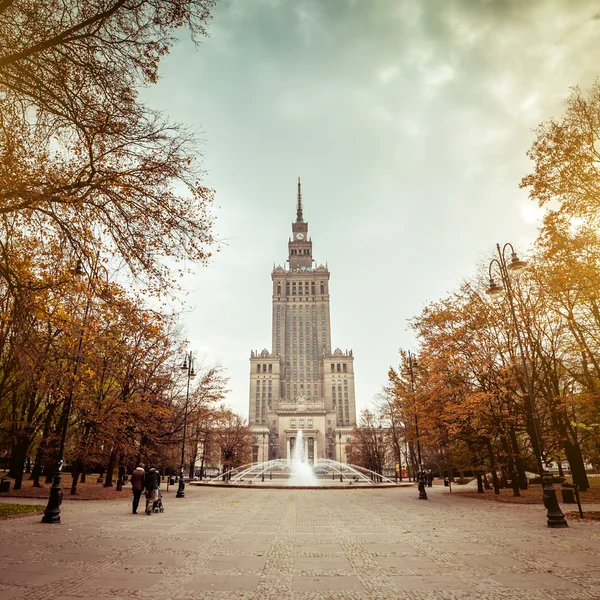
column 81, row 158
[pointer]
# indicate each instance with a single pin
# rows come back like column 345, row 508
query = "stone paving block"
column 159, row 559
column 33, row 574
column 13, row 549
column 593, row 544
column 368, row 529
column 390, row 548
column 534, row 581
column 321, row 563
column 574, row 559
column 489, row 561
column 116, row 542
column 259, row 531
column 461, row 547
column 262, row 538
column 403, row 563
column 223, row 583
column 122, row 580
column 245, row 548
column 180, row 545
column 7, row 593
column 318, row 548
column 327, row 583
column 80, row 554
column 377, row 538
column 531, row 546
column 429, row 583
column 230, row 562
column 315, row 537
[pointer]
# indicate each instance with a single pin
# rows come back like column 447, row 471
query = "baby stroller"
column 154, row 501
column 157, row 505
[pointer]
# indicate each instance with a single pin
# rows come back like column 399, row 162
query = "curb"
column 65, row 498
column 30, row 514
column 259, row 486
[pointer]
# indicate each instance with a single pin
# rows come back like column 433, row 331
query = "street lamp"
column 412, row 365
column 554, row 515
column 188, row 367
column 340, row 446
column 52, row 510
column 264, row 461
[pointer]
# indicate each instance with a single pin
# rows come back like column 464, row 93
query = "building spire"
column 299, row 209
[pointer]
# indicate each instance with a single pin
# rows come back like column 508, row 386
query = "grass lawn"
column 533, row 495
column 85, row 491
column 8, row 510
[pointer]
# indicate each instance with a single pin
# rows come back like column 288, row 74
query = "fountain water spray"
column 302, row 471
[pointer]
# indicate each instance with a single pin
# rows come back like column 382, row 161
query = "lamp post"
column 263, row 456
column 52, row 510
column 188, row 367
column 340, row 446
column 555, row 517
column 412, row 365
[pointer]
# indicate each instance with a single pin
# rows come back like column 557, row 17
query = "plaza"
column 255, row 544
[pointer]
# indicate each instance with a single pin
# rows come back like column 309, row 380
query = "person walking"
column 138, row 478
column 152, row 484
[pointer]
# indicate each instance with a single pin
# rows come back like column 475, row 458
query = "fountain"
column 302, row 473
column 299, row 472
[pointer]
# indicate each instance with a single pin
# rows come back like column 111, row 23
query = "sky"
column 408, row 122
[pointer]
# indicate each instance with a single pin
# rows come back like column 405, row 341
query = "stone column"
column 288, row 454
column 315, row 450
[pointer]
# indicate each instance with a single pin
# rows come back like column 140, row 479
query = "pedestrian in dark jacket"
column 152, row 482
column 138, row 479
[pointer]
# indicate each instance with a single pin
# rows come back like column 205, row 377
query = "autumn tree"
column 232, row 439
column 81, row 157
column 369, row 447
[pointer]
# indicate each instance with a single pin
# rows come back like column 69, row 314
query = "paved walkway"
column 255, row 544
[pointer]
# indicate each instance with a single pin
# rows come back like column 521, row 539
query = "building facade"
column 301, row 383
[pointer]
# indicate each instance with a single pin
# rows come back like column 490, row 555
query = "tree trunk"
column 17, row 462
column 83, row 474
column 75, row 474
column 561, row 471
column 479, row 482
column 202, row 461
column 522, row 476
column 121, row 474
column 35, row 472
column 193, row 457
column 49, row 470
column 514, row 481
column 108, row 482
column 573, row 452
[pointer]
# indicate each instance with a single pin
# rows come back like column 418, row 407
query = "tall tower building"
column 301, row 383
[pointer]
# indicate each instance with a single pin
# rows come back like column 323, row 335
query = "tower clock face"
column 299, row 236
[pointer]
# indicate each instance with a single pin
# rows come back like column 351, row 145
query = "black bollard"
column 421, row 484
column 554, row 515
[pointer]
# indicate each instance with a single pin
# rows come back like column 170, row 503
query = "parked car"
column 320, row 472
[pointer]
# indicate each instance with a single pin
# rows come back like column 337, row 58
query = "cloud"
column 408, row 121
